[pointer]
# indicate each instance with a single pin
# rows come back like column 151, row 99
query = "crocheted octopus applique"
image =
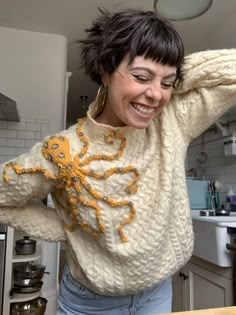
column 71, row 178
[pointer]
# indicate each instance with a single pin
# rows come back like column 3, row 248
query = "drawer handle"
column 231, row 247
column 182, row 275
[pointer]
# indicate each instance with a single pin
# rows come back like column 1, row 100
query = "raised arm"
column 208, row 90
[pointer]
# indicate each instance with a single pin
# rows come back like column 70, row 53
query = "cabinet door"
column 179, row 302
column 206, row 289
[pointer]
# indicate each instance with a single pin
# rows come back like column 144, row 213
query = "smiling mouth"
column 143, row 109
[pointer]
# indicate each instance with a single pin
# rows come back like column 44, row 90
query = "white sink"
column 211, row 237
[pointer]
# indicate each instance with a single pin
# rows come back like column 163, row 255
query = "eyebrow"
column 171, row 75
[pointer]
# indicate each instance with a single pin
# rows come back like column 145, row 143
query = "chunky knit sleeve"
column 208, row 90
column 35, row 219
column 22, row 179
column 22, row 187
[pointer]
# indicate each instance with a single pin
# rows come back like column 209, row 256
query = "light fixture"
column 179, row 10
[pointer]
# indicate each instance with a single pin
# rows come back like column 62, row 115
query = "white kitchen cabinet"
column 50, row 282
column 201, row 285
column 11, row 259
column 179, row 302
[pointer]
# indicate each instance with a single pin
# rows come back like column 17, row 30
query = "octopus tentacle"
column 112, row 202
column 19, row 170
column 71, row 179
column 108, row 157
column 85, row 225
column 130, row 188
column 126, row 220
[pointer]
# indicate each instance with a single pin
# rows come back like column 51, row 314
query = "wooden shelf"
column 213, row 311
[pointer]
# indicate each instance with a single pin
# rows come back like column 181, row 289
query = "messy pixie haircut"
column 130, row 33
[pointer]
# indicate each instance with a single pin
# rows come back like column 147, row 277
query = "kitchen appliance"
column 27, row 278
column 211, row 237
column 29, row 271
column 32, row 307
column 3, row 237
column 29, row 289
column 198, row 193
column 25, row 246
column 215, row 242
column 222, row 212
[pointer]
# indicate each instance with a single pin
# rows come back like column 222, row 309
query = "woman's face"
column 136, row 92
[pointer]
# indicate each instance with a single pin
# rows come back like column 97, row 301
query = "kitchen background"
column 40, row 74
column 33, row 81
column 217, row 166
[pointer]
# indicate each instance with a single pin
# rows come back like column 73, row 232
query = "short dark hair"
column 130, row 33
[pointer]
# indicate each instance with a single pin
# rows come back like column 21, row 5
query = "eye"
column 167, row 85
column 141, row 78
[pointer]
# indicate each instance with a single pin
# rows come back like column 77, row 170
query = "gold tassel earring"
column 102, row 93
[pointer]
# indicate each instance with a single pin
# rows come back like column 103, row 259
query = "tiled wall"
column 18, row 137
column 218, row 166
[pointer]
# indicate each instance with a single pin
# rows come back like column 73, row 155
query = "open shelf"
column 25, row 258
column 24, row 297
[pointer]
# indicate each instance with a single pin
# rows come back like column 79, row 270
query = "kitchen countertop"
column 213, row 311
column 218, row 220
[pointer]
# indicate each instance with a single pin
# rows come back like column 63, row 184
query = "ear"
column 105, row 78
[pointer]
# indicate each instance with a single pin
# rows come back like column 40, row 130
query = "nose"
column 154, row 92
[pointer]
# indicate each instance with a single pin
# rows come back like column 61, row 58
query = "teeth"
column 142, row 109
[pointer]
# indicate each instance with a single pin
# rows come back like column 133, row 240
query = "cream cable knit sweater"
column 160, row 237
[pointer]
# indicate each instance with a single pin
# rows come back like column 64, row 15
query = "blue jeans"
column 75, row 299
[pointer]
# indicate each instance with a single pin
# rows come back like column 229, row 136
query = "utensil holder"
column 213, row 200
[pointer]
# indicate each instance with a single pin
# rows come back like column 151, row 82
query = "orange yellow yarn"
column 72, row 174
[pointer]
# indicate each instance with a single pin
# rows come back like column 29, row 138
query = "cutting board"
column 212, row 311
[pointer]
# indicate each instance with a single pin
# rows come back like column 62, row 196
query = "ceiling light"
column 178, row 10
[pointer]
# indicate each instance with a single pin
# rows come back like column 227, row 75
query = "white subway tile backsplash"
column 7, row 151
column 11, row 125
column 44, row 130
column 30, row 120
column 42, row 121
column 7, row 133
column 17, row 143
column 18, row 137
column 33, row 126
column 25, row 134
column 3, row 124
column 2, row 159
column 218, row 166
column 3, row 142
column 20, row 151
column 9, row 158
column 30, row 143
column 38, row 135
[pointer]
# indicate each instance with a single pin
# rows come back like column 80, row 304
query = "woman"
column 117, row 177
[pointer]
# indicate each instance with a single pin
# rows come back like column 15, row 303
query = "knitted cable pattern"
column 160, row 236
column 72, row 174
